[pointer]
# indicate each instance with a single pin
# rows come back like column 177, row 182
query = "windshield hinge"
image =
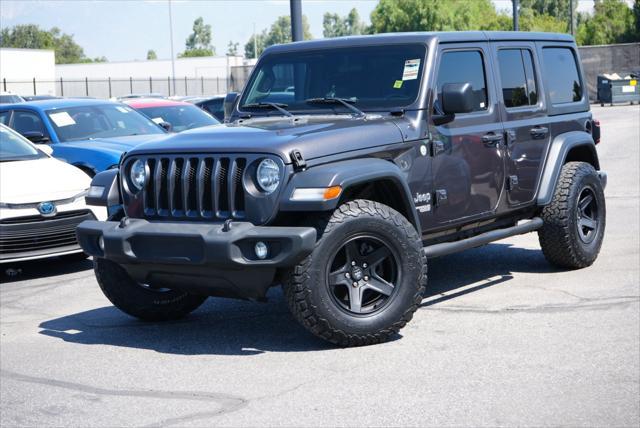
column 299, row 163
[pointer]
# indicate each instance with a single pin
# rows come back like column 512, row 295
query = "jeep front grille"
column 205, row 187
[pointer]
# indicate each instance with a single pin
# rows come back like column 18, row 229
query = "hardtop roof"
column 422, row 37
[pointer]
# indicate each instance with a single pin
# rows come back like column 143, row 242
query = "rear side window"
column 26, row 121
column 561, row 73
column 463, row 67
column 4, row 117
column 517, row 77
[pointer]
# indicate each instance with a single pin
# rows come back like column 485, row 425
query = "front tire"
column 575, row 220
column 364, row 279
column 141, row 301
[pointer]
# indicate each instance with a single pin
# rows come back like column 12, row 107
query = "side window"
column 26, row 121
column 462, row 67
column 4, row 117
column 561, row 73
column 517, row 77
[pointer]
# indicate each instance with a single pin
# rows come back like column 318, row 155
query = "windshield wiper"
column 347, row 102
column 275, row 106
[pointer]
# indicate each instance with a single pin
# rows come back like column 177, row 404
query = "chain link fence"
column 108, row 87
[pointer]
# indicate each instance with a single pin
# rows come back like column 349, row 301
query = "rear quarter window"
column 561, row 74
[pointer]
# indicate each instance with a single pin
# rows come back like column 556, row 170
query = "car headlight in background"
column 268, row 175
column 138, row 174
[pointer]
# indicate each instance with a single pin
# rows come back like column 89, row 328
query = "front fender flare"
column 347, row 174
column 558, row 151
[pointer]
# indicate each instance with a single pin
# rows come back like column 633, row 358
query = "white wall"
column 20, row 66
column 207, row 67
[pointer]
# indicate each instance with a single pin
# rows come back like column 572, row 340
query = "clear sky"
column 126, row 29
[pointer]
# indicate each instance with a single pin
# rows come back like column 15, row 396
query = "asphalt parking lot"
column 502, row 339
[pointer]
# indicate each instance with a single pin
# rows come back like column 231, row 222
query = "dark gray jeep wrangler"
column 343, row 166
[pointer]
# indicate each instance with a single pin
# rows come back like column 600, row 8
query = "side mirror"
column 457, row 98
column 46, row 149
column 229, row 102
column 166, row 126
column 35, row 136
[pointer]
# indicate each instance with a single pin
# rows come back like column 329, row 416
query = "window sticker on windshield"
column 62, row 119
column 120, row 124
column 158, row 120
column 397, row 84
column 122, row 109
column 411, row 67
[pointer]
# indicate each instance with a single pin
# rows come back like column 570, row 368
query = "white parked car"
column 41, row 202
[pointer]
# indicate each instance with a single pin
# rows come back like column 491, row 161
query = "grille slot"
column 195, row 187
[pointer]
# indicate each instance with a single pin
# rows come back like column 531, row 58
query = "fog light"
column 101, row 243
column 261, row 250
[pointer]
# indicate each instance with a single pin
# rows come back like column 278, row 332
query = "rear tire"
column 364, row 279
column 139, row 300
column 575, row 220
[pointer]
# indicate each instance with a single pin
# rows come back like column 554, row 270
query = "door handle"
column 539, row 131
column 491, row 139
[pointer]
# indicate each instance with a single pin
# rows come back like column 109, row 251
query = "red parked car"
column 178, row 114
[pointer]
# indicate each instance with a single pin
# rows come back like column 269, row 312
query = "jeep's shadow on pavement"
column 233, row 327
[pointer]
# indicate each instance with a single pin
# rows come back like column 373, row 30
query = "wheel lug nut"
column 353, row 263
column 364, row 265
column 347, row 275
column 366, row 278
column 355, row 284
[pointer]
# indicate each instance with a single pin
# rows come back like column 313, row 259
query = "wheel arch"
column 568, row 147
column 374, row 179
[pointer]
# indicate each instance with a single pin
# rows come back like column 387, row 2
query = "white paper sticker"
column 122, row 109
column 481, row 104
column 158, row 120
column 411, row 67
column 628, row 88
column 62, row 119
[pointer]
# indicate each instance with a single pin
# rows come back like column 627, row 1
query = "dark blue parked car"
column 90, row 134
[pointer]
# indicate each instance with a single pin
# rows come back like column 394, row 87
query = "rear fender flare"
column 557, row 157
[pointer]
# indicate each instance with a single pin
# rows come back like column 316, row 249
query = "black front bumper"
column 203, row 258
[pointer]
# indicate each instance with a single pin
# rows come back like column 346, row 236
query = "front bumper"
column 203, row 258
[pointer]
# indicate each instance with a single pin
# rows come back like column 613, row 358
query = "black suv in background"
column 343, row 166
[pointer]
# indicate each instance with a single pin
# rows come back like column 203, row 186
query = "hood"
column 314, row 136
column 115, row 145
column 44, row 179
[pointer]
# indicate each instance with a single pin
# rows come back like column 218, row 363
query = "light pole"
column 296, row 20
column 173, row 61
column 516, row 17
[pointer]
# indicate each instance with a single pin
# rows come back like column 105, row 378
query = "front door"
column 468, row 155
column 524, row 117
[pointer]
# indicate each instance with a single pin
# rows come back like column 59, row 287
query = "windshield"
column 100, row 121
column 181, row 117
column 14, row 147
column 372, row 78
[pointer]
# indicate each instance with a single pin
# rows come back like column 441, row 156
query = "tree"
column 151, row 54
column 436, row 15
column 556, row 8
column 335, row 26
column 612, row 22
column 199, row 42
column 531, row 20
column 232, row 49
column 280, row 32
column 30, row 36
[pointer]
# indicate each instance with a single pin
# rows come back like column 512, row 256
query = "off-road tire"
column 559, row 236
column 138, row 301
column 308, row 296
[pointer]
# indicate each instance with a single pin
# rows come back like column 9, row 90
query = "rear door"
column 523, row 111
column 468, row 167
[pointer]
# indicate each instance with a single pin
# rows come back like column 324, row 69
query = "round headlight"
column 138, row 174
column 268, row 175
